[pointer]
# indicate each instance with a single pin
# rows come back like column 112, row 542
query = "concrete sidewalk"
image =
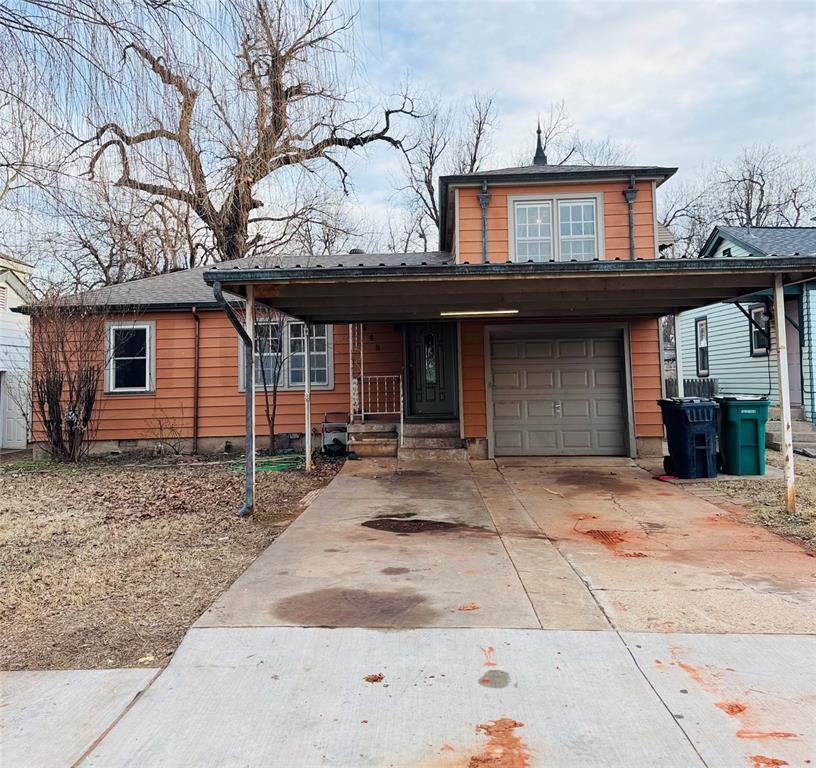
column 525, row 613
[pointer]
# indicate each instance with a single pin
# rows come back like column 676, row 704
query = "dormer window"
column 555, row 227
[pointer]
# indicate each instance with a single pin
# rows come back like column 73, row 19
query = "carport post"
column 249, row 402
column 784, row 393
column 307, row 391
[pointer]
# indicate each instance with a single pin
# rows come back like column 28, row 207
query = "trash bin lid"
column 753, row 398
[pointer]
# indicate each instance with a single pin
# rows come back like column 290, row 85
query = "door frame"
column 406, row 373
column 561, row 330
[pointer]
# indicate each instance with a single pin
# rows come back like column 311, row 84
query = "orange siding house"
column 512, row 380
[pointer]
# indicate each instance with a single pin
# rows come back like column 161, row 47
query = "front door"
column 431, row 355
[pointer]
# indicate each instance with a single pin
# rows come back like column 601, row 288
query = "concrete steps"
column 432, row 441
column 422, row 441
column 804, row 435
column 373, row 438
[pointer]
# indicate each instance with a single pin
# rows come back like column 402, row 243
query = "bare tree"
column 563, row 143
column 222, row 125
column 68, row 363
column 762, row 187
column 445, row 142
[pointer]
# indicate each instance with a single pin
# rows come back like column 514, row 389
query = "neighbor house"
column 730, row 344
column 532, row 331
column 15, row 356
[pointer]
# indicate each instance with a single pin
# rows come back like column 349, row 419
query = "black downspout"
column 249, row 484
column 196, row 376
column 484, row 201
column 630, row 193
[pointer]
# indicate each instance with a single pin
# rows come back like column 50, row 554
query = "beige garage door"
column 559, row 396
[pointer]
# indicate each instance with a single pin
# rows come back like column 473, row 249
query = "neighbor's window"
column 563, row 230
column 130, row 358
column 280, row 351
column 726, row 252
column 702, row 347
column 576, row 230
column 3, row 299
column 760, row 339
column 533, row 231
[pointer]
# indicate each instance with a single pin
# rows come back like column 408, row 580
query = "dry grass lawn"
column 107, row 565
column 765, row 499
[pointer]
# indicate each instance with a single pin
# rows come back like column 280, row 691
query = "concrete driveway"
column 496, row 615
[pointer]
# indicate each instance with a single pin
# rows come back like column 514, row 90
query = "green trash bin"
column 742, row 433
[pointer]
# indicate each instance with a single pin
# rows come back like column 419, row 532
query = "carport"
column 596, row 291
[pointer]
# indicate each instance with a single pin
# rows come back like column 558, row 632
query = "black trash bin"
column 691, row 431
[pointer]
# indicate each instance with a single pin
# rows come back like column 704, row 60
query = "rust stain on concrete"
column 732, row 708
column 377, row 677
column 488, row 654
column 761, row 761
column 762, row 735
column 504, row 748
column 469, row 607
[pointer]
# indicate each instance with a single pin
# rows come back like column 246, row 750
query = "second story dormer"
column 543, row 213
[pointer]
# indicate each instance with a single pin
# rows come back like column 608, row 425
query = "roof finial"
column 539, row 158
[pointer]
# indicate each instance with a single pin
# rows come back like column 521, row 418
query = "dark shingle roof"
column 774, row 241
column 186, row 288
column 575, row 170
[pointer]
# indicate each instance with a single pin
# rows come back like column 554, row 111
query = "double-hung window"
column 557, row 228
column 760, row 339
column 701, row 333
column 534, row 231
column 280, row 350
column 130, row 352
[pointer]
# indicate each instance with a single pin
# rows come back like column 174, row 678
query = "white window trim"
column 554, row 200
column 697, row 347
column 765, row 348
column 285, row 386
column 150, row 347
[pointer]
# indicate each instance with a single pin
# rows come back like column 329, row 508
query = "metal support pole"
column 784, row 393
column 401, row 415
column 307, row 391
column 249, row 403
column 351, row 373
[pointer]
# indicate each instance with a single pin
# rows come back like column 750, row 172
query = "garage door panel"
column 580, row 439
column 542, row 440
column 508, row 409
column 611, row 441
column 540, row 379
column 584, row 375
column 505, row 350
column 572, row 379
column 507, row 379
column 611, row 379
column 573, row 348
column 540, row 409
column 579, row 408
column 606, row 348
column 509, row 440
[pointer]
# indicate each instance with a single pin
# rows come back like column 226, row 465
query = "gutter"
column 770, row 264
column 249, row 387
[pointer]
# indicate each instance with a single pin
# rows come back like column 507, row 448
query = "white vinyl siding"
column 15, row 366
column 729, row 352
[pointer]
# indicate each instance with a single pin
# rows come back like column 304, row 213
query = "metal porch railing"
column 377, row 396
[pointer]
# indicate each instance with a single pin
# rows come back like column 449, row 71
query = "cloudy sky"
column 680, row 83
